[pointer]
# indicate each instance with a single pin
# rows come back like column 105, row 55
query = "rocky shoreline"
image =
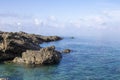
column 21, row 47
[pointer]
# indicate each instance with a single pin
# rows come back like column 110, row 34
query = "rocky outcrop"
column 14, row 44
column 44, row 56
column 66, row 51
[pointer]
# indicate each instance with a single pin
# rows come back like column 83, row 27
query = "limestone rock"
column 13, row 44
column 43, row 56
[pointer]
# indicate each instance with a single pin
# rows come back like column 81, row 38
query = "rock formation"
column 66, row 51
column 43, row 56
column 14, row 44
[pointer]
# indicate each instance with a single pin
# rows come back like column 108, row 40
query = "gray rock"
column 43, row 56
column 66, row 51
column 14, row 44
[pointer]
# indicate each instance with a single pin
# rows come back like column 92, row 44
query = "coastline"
column 13, row 44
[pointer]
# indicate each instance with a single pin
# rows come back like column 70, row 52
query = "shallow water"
column 89, row 60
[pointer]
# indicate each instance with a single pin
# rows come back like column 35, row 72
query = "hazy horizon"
column 88, row 18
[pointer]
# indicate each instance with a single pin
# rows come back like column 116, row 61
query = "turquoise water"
column 89, row 60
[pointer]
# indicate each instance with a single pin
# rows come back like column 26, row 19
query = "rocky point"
column 21, row 44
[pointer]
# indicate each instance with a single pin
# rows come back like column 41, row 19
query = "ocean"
column 89, row 60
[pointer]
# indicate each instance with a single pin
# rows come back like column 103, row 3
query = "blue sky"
column 58, row 8
column 61, row 17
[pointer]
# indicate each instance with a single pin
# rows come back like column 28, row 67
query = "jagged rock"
column 66, row 51
column 44, row 56
column 13, row 44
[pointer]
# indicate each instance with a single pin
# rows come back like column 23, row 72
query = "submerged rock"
column 4, row 79
column 14, row 44
column 66, row 51
column 43, row 56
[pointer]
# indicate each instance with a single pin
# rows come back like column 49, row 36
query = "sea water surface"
column 89, row 60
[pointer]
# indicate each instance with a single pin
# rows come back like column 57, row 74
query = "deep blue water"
column 89, row 60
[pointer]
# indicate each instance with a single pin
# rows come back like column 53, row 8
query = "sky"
column 88, row 18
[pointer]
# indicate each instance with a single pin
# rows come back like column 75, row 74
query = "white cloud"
column 107, row 21
column 19, row 23
column 52, row 18
column 37, row 22
column 112, row 13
